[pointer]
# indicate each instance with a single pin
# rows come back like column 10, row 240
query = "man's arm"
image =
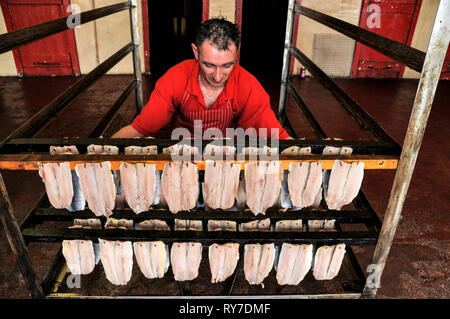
column 127, row 132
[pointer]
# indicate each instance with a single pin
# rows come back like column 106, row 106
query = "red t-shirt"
column 178, row 93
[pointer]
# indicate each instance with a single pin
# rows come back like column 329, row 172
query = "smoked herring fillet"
column 294, row 263
column 213, row 183
column 78, row 201
column 328, row 261
column 171, row 186
column 189, row 186
column 254, row 185
column 313, row 184
column 185, row 258
column 139, row 185
column 57, row 179
column 79, row 255
column 352, row 184
column 336, row 183
column 97, row 184
column 152, row 258
column 223, row 260
column 258, row 262
column 272, row 185
column 297, row 181
column 117, row 260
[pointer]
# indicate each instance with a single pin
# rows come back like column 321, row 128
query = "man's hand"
column 127, row 132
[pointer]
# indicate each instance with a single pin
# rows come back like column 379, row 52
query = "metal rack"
column 21, row 151
column 428, row 63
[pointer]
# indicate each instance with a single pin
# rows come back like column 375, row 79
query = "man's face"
column 215, row 65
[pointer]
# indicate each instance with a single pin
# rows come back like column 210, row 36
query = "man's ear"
column 195, row 50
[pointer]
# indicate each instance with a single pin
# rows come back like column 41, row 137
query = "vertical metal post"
column 134, row 24
column 429, row 78
column 17, row 243
column 286, row 61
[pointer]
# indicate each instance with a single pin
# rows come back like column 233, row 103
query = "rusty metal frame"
column 48, row 113
column 428, row 63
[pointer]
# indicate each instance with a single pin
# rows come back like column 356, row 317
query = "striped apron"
column 210, row 118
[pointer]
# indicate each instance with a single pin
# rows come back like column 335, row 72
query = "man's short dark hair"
column 220, row 31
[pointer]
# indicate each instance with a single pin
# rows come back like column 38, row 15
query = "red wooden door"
column 397, row 20
column 445, row 75
column 53, row 55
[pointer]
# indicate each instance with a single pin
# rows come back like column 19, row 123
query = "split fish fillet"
column 189, row 186
column 223, row 260
column 272, row 185
column 218, row 152
column 187, row 224
column 289, row 225
column 79, row 255
column 117, row 260
column 262, row 184
column 57, row 179
column 97, row 184
column 336, row 183
column 78, row 201
column 139, row 185
column 171, row 186
column 152, row 224
column 151, row 258
column 221, row 225
column 258, row 262
column 256, row 225
column 297, row 181
column 313, row 184
column 328, row 261
column 294, row 263
column 185, row 258
column 352, row 184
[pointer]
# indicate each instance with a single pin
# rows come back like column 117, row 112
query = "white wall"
column 7, row 65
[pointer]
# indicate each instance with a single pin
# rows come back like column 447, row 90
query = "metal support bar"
column 353, row 109
column 286, row 61
column 400, row 52
column 41, row 145
column 103, row 125
column 18, row 38
column 17, row 243
column 205, row 237
column 49, row 112
column 344, row 216
column 307, row 115
column 426, row 89
column 134, row 24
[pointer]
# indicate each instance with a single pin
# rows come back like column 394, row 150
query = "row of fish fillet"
column 291, row 261
column 264, row 185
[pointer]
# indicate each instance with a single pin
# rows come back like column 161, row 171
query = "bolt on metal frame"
column 429, row 63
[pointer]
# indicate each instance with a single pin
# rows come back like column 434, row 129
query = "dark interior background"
column 168, row 46
column 263, row 32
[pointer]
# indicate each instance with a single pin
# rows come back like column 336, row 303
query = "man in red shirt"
column 212, row 91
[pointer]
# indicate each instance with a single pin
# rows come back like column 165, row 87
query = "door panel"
column 53, row 55
column 397, row 22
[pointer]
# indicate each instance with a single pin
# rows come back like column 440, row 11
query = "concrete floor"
column 418, row 263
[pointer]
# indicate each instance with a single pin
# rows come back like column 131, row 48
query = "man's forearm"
column 127, row 132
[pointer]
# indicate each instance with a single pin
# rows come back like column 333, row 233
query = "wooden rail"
column 31, row 161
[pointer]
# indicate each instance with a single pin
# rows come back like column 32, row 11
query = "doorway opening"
column 263, row 33
column 172, row 25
